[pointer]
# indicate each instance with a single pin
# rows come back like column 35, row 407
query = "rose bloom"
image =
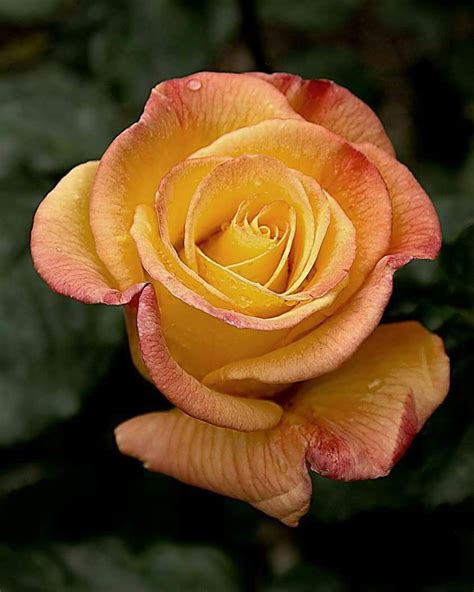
column 251, row 225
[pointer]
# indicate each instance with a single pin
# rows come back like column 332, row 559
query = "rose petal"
column 325, row 347
column 265, row 468
column 188, row 393
column 361, row 418
column 354, row 423
column 180, row 117
column 341, row 170
column 62, row 245
column 336, row 254
column 334, row 107
column 416, row 227
column 265, row 259
column 187, row 286
column 216, row 201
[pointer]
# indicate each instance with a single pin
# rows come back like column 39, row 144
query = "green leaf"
column 309, row 578
column 190, row 568
column 455, row 213
column 457, row 261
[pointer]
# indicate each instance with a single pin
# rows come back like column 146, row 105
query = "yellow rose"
column 251, row 225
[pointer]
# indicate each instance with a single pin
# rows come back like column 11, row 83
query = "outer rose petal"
column 326, row 103
column 181, row 116
column 63, row 247
column 354, row 423
column 265, row 468
column 185, row 391
column 361, row 418
column 416, row 227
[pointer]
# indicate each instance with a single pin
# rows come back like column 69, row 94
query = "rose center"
column 254, row 242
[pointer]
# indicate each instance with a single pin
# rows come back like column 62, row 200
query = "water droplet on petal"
column 375, row 385
column 58, row 249
column 194, row 84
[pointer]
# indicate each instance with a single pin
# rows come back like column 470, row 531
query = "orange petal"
column 352, row 424
column 188, row 393
column 341, row 170
column 325, row 347
column 360, row 419
column 336, row 254
column 175, row 193
column 326, row 103
column 63, row 247
column 187, row 286
column 248, row 296
column 265, row 259
column 131, row 310
column 416, row 228
column 219, row 195
column 180, row 117
column 265, row 468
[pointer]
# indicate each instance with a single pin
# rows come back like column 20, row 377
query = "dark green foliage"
column 74, row 514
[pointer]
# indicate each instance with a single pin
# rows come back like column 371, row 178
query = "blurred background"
column 74, row 514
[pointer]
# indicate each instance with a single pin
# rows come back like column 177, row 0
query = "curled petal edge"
column 354, row 423
column 185, row 391
column 334, row 107
column 63, row 248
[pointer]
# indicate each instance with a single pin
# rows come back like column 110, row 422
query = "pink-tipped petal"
column 361, row 418
column 325, row 347
column 185, row 391
column 266, row 468
column 181, row 116
column 351, row 424
column 326, row 103
column 62, row 245
column 416, row 229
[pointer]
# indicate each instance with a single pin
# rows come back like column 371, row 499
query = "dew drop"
column 374, row 385
column 194, row 84
column 58, row 249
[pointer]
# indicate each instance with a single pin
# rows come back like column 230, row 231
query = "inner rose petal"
column 163, row 265
column 257, row 249
column 341, row 170
column 159, row 239
column 243, row 239
column 262, row 178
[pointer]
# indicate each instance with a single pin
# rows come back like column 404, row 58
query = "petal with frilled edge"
column 352, row 424
column 416, row 227
column 180, row 117
column 62, row 245
column 326, row 103
column 185, row 391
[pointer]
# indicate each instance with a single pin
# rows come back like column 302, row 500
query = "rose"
column 251, row 224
